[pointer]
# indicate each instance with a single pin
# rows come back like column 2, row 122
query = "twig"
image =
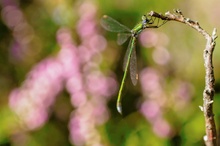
column 208, row 95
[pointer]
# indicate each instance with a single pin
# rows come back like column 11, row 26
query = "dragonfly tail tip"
column 119, row 109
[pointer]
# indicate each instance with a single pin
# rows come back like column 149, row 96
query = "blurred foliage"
column 183, row 44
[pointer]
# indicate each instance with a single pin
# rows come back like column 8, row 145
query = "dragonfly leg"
column 151, row 20
column 164, row 21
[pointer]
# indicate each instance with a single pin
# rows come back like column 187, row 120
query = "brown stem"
column 208, row 95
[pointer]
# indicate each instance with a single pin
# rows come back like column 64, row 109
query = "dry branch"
column 208, row 94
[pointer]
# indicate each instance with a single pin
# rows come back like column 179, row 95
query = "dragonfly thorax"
column 140, row 26
column 137, row 29
column 145, row 21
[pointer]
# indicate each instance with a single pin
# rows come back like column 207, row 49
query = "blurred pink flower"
column 183, row 93
column 38, row 92
column 12, row 16
column 151, row 110
column 99, row 85
column 150, row 81
column 162, row 128
column 75, row 68
column 86, row 28
column 155, row 100
column 161, row 55
column 148, row 38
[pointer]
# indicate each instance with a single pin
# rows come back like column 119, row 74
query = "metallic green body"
column 111, row 24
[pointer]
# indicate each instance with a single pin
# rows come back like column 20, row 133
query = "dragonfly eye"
column 145, row 20
column 144, row 17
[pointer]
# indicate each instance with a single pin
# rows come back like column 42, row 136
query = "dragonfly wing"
column 111, row 24
column 127, row 56
column 122, row 37
column 130, row 56
column 133, row 66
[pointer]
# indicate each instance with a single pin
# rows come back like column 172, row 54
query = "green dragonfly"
column 124, row 33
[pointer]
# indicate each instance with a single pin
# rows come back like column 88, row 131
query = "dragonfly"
column 130, row 58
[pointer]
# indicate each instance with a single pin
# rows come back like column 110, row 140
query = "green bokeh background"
column 132, row 129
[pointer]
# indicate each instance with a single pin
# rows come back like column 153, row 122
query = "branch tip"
column 214, row 34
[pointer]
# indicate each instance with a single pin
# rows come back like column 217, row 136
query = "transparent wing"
column 111, row 24
column 130, row 56
column 133, row 66
column 127, row 57
column 122, row 37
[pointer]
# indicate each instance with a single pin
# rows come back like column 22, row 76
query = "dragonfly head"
column 145, row 20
